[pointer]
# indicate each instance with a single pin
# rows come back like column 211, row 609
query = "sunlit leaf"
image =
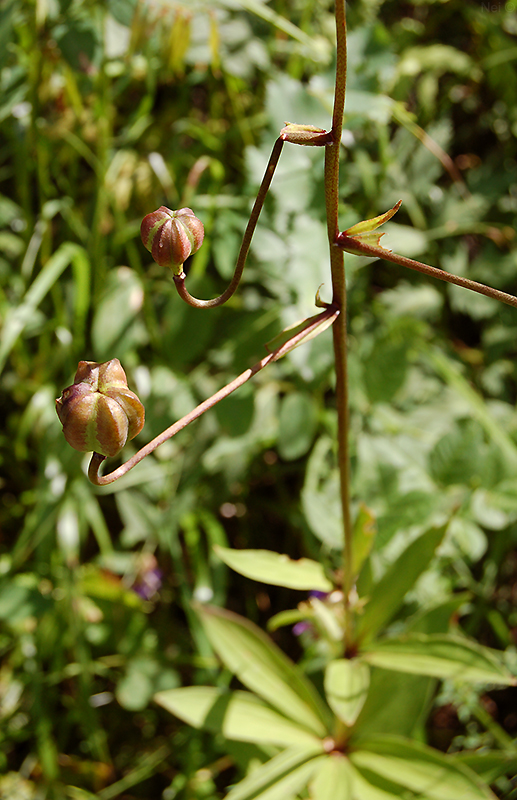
column 237, row 715
column 18, row 317
column 333, row 780
column 365, row 528
column 262, row 667
column 395, row 705
column 298, row 422
column 419, row 768
column 280, row 778
column 346, row 687
column 280, row 22
column 489, row 764
column 388, row 594
column 320, row 495
column 276, row 569
column 440, row 656
column 368, row 225
column 365, row 790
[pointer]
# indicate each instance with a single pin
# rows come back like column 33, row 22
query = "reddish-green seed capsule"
column 99, row 412
column 172, row 236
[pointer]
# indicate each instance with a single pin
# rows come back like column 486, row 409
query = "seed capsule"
column 99, row 412
column 172, row 236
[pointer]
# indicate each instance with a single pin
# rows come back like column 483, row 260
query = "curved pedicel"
column 327, row 317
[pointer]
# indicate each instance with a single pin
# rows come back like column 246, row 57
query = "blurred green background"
column 111, row 109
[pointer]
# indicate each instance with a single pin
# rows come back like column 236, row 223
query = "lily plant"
column 324, row 744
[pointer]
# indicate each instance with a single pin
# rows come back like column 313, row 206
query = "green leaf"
column 136, row 688
column 365, row 528
column 237, row 715
column 17, row 318
column 346, row 686
column 364, row 790
column 397, row 704
column 371, row 239
column 402, row 512
column 437, row 619
column 368, row 225
column 333, row 780
column 489, row 765
column 276, row 569
column 75, row 793
column 79, row 42
column 280, row 22
column 409, row 764
column 325, row 617
column 288, row 617
column 386, row 369
column 281, row 778
column 19, row 600
column 388, row 594
column 320, row 495
column 298, row 422
column 262, row 667
column 440, row 656
column 122, row 10
column 454, row 458
column 478, row 409
column 116, row 324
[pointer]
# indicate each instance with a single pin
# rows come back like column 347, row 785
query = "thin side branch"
column 353, row 244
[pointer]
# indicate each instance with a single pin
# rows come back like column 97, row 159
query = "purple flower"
column 301, row 627
column 148, row 583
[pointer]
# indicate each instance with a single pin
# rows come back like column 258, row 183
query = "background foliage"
column 111, row 109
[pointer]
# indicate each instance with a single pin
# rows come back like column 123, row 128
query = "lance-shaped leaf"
column 281, row 778
column 276, row 569
column 361, row 233
column 440, row 656
column 346, row 687
column 237, row 715
column 365, row 528
column 490, row 764
column 368, row 225
column 365, row 790
column 390, row 762
column 262, row 667
column 333, row 780
column 387, row 595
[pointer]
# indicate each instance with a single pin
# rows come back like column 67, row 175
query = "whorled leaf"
column 237, row 715
column 440, row 656
column 262, row 667
column 346, row 687
column 280, row 778
column 388, row 593
column 333, row 779
column 404, row 764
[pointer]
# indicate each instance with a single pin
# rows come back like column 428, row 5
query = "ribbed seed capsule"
column 172, row 236
column 99, row 412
